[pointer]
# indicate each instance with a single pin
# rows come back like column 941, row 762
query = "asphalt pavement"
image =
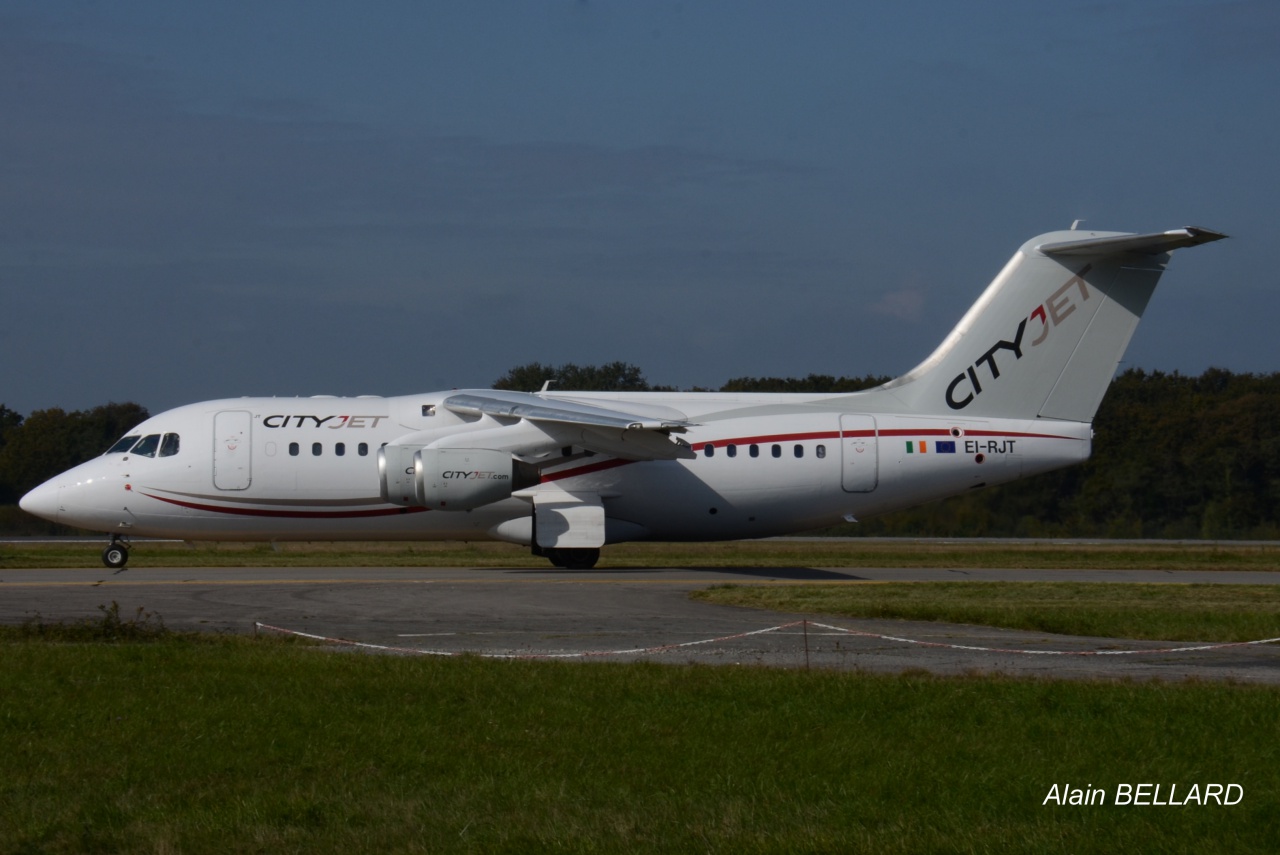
column 626, row 614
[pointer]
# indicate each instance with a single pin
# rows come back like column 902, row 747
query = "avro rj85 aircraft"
column 1010, row 392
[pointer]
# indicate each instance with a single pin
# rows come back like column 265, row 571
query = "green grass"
column 1168, row 611
column 197, row 744
column 763, row 553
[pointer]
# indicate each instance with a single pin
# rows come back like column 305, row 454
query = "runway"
column 593, row 615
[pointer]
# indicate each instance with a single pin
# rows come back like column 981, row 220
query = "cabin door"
column 859, row 468
column 231, row 450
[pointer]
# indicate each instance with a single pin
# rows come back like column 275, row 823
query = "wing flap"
column 521, row 405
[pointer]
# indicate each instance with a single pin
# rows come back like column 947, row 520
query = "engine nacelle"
column 395, row 474
column 459, row 479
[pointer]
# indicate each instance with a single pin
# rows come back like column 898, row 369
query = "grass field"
column 120, row 736
column 1156, row 555
column 198, row 744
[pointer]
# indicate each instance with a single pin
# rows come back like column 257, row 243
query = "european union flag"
column 945, row 446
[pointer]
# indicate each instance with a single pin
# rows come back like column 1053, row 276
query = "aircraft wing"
column 641, row 434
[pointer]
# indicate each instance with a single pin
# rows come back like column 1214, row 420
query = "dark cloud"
column 192, row 206
column 220, row 246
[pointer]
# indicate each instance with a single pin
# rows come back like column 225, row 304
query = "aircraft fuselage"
column 307, row 469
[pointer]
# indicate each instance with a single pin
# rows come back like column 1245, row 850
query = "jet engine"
column 395, row 474
column 449, row 479
column 459, row 479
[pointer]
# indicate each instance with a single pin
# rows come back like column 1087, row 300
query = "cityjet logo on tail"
column 1050, row 313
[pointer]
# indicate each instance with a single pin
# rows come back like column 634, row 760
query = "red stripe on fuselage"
column 798, row 437
column 289, row 514
column 780, row 437
column 601, row 466
column 1008, row 434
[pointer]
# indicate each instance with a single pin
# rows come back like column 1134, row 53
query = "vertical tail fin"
column 1044, row 339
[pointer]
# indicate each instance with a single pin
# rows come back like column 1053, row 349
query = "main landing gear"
column 116, row 555
column 571, row 559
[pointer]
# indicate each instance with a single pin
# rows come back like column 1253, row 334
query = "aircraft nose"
column 44, row 501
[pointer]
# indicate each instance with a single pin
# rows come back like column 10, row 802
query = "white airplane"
column 1010, row 392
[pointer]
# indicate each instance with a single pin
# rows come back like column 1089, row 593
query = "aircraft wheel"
column 574, row 559
column 115, row 556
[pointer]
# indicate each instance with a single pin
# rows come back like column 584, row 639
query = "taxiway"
column 617, row 614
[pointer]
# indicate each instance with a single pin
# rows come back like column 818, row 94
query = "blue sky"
column 297, row 198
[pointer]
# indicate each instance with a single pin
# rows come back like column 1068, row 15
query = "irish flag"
column 921, row 446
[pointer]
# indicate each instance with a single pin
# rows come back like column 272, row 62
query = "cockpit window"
column 169, row 445
column 147, row 447
column 123, row 445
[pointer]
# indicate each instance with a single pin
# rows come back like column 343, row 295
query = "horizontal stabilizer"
column 1152, row 244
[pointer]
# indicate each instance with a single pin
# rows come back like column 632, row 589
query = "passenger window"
column 340, row 449
column 777, row 451
column 731, row 450
column 123, row 445
column 293, row 449
column 821, row 451
column 169, row 445
column 709, row 450
column 316, row 448
column 363, row 449
column 799, row 451
column 755, row 450
column 148, row 446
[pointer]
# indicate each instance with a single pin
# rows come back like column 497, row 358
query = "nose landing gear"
column 116, row 555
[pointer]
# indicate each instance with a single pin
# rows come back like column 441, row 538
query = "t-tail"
column 1044, row 339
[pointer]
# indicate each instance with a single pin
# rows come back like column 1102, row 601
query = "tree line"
column 35, row 448
column 1174, row 456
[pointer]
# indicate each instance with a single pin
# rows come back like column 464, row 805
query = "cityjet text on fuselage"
column 328, row 422
column 1053, row 311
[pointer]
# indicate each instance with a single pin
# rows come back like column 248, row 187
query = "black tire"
column 573, row 559
column 115, row 556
